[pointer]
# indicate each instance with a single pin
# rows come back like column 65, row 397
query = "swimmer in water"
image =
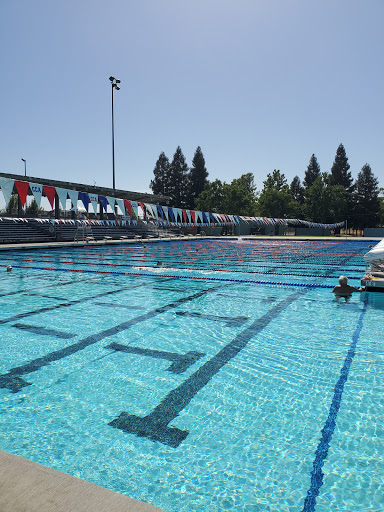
column 343, row 290
column 9, row 268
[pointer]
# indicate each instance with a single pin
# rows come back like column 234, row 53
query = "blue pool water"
column 198, row 375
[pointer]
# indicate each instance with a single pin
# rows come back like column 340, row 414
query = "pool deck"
column 47, row 245
column 26, row 486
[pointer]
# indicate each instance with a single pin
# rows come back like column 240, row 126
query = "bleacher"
column 16, row 231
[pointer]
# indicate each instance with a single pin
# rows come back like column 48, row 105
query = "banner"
column 120, row 204
column 94, row 198
column 6, row 188
column 62, row 194
column 22, row 188
column 37, row 191
column 50, row 193
column 74, row 197
column 84, row 197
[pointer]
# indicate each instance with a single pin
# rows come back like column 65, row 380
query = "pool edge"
column 29, row 486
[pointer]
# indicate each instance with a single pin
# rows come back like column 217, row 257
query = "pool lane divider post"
column 330, row 424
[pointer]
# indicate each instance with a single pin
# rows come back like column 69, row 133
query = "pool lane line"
column 330, row 424
column 64, row 304
column 155, row 425
column 211, row 269
column 12, row 379
column 200, row 278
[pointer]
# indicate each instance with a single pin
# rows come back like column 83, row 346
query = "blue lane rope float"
column 200, row 278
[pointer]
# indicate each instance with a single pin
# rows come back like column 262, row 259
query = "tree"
column 241, row 196
column 178, row 180
column 297, row 190
column 276, row 181
column 366, row 199
column 33, row 207
column 325, row 203
column 340, row 174
column 159, row 184
column 13, row 204
column 198, row 175
column 212, row 198
column 237, row 198
column 276, row 198
column 312, row 172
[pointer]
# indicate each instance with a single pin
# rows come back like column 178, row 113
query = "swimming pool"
column 198, row 375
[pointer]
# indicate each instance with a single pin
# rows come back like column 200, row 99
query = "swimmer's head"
column 9, row 268
column 343, row 280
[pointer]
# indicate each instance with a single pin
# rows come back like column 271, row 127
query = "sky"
column 257, row 84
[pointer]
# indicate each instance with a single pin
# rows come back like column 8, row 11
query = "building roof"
column 102, row 191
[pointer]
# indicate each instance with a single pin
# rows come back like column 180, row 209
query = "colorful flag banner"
column 84, row 197
column 94, row 198
column 50, row 193
column 22, row 188
column 37, row 191
column 120, row 204
column 6, row 188
column 74, row 197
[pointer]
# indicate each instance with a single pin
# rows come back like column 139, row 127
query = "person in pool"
column 343, row 289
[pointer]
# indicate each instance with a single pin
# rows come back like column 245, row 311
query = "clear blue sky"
column 258, row 84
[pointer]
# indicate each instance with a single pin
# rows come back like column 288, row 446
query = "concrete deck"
column 26, row 486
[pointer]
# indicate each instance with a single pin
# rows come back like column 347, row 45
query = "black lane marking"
column 65, row 305
column 110, row 305
column 180, row 362
column 330, row 424
column 154, row 426
column 45, row 296
column 60, row 283
column 12, row 380
column 235, row 321
column 44, row 331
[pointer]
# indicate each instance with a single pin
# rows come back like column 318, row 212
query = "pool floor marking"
column 111, row 305
column 235, row 321
column 12, row 379
column 154, row 426
column 330, row 424
column 180, row 362
column 63, row 305
column 44, row 331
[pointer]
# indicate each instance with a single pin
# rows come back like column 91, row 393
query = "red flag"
column 127, row 205
column 193, row 216
column 185, row 215
column 50, row 194
column 22, row 189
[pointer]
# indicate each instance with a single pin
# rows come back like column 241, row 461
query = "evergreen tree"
column 198, row 175
column 178, row 180
column 312, row 172
column 276, row 181
column 340, row 171
column 297, row 190
column 159, row 184
column 325, row 203
column 366, row 199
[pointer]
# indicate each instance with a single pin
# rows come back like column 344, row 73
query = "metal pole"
column 113, row 144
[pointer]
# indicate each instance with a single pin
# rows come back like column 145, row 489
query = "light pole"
column 25, row 165
column 114, row 82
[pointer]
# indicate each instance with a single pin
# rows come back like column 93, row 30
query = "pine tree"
column 297, row 190
column 159, row 184
column 178, row 180
column 366, row 199
column 340, row 171
column 198, row 175
column 312, row 172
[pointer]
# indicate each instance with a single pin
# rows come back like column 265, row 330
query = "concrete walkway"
column 29, row 487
